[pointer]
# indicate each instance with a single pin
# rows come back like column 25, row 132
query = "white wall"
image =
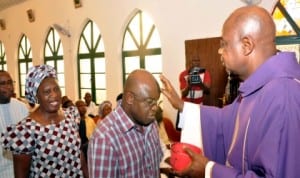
column 176, row 20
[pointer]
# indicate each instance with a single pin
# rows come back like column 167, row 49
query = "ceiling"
column 8, row 3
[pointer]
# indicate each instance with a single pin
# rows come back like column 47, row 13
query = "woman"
column 104, row 109
column 46, row 143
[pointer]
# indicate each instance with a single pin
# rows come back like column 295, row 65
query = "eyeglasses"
column 150, row 102
column 8, row 82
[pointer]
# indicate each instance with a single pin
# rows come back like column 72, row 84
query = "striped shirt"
column 10, row 113
column 119, row 148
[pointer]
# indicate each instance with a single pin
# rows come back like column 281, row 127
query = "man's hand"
column 169, row 91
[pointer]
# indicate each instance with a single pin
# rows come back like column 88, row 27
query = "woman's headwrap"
column 102, row 105
column 34, row 78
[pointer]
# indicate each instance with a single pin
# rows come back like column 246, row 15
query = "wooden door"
column 206, row 50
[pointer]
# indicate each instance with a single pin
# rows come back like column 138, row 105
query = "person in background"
column 119, row 99
column 194, row 82
column 47, row 142
column 31, row 106
column 256, row 135
column 86, row 126
column 104, row 109
column 162, row 130
column 66, row 102
column 126, row 143
column 92, row 109
column 11, row 112
column 164, row 142
column 89, row 122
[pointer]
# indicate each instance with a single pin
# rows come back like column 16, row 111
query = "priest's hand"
column 197, row 166
column 171, row 94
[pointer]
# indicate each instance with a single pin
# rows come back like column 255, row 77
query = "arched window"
column 91, row 63
column 287, row 19
column 141, row 46
column 53, row 55
column 25, row 62
column 3, row 65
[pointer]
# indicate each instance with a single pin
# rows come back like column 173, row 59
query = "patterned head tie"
column 34, row 78
column 102, row 105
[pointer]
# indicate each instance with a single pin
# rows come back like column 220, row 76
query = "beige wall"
column 176, row 20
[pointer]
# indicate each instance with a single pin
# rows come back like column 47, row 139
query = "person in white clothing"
column 11, row 112
column 92, row 109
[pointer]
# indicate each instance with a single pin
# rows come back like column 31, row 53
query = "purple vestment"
column 266, row 119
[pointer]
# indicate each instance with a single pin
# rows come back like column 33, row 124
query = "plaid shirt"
column 119, row 148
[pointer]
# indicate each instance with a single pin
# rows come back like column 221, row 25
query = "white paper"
column 191, row 126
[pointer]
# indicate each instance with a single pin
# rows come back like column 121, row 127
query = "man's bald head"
column 248, row 38
column 141, row 81
column 140, row 96
column 252, row 21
